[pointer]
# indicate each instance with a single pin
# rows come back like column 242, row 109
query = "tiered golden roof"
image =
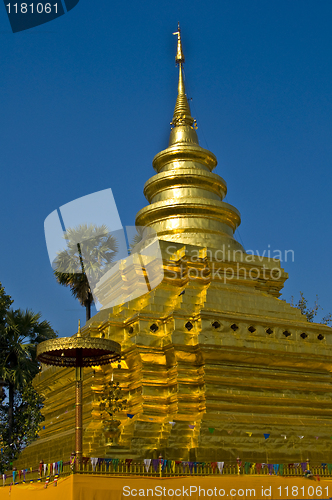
column 185, row 196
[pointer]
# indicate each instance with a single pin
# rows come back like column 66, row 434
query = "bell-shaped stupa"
column 215, row 366
column 185, row 196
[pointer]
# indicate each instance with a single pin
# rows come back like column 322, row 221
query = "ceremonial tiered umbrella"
column 78, row 352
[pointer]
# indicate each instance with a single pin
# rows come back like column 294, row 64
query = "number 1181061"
column 25, row 8
column 303, row 491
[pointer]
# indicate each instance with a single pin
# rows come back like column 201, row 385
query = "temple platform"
column 94, row 487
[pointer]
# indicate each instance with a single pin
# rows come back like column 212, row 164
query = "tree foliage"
column 23, row 331
column 5, row 303
column 311, row 312
column 27, row 418
column 20, row 333
column 90, row 250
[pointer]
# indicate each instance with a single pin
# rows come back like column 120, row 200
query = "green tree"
column 90, row 251
column 20, row 417
column 311, row 312
column 26, row 424
column 21, row 333
column 5, row 303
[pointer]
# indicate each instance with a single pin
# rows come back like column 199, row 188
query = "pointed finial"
column 79, row 328
column 182, row 115
column 179, row 58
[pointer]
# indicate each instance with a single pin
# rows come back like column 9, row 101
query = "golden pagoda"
column 215, row 366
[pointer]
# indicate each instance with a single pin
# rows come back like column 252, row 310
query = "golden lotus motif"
column 112, row 432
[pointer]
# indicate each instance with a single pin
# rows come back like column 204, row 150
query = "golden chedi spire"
column 182, row 111
column 185, row 196
column 179, row 58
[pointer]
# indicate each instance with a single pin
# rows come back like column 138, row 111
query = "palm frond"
column 89, row 253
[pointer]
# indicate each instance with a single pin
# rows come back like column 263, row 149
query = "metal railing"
column 33, row 475
column 131, row 468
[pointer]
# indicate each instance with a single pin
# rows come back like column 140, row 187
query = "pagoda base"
column 85, row 487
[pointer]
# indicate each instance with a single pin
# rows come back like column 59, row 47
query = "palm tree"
column 90, row 251
column 19, row 338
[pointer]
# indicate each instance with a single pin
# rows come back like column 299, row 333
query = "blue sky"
column 86, row 102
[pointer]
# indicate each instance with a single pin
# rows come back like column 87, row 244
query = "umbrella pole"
column 78, row 414
column 76, row 353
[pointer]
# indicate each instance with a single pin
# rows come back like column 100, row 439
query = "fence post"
column 238, row 465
